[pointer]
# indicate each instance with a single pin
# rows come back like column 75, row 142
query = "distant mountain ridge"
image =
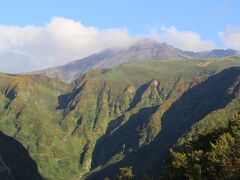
column 143, row 50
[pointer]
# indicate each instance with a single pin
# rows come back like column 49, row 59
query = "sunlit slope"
column 196, row 94
column 96, row 124
column 28, row 113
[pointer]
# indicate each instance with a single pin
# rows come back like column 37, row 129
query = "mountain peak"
column 145, row 44
column 145, row 49
column 146, row 41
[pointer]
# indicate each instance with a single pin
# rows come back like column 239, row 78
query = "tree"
column 125, row 173
column 107, row 178
column 215, row 155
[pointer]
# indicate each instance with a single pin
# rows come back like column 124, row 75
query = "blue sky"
column 43, row 33
column 205, row 17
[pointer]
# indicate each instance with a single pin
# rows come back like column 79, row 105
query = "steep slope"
column 212, row 155
column 67, row 128
column 192, row 106
column 144, row 50
column 28, row 113
column 15, row 162
column 120, row 102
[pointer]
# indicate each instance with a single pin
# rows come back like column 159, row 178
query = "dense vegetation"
column 127, row 116
column 215, row 155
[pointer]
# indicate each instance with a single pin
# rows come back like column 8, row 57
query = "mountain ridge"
column 63, row 126
column 143, row 50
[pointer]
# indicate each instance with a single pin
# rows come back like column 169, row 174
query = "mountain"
column 215, row 53
column 144, row 153
column 143, row 50
column 129, row 115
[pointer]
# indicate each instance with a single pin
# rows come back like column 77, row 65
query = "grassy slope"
column 28, row 113
column 118, row 143
column 61, row 125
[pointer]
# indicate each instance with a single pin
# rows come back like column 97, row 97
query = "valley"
column 128, row 115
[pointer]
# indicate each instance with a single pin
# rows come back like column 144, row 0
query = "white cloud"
column 63, row 40
column 58, row 42
column 186, row 40
column 231, row 37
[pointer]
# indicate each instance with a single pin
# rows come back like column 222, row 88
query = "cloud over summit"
column 63, row 40
column 59, row 41
column 185, row 40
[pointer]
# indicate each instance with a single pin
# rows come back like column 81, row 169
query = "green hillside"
column 212, row 155
column 127, row 116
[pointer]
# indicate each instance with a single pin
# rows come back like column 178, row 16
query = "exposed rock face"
column 155, row 83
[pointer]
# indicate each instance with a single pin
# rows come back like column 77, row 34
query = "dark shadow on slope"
column 64, row 99
column 11, row 95
column 193, row 105
column 136, row 99
column 123, row 139
column 17, row 160
column 138, row 95
column 114, row 124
